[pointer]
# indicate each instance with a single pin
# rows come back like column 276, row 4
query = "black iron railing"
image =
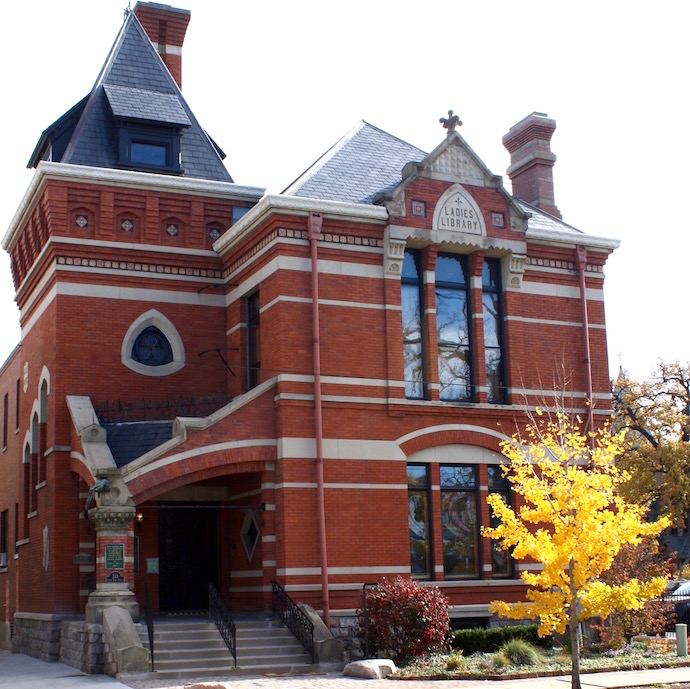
column 293, row 618
column 123, row 411
column 220, row 616
column 677, row 608
column 149, row 622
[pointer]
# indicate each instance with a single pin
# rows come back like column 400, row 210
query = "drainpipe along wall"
column 314, row 223
column 581, row 258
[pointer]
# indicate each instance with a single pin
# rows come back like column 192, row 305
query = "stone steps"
column 194, row 648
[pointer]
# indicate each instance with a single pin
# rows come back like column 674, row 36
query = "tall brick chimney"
column 166, row 27
column 531, row 160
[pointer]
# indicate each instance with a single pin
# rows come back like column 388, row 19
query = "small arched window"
column 151, row 348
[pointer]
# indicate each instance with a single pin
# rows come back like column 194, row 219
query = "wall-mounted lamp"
column 139, row 517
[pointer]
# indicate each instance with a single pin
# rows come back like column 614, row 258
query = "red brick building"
column 217, row 385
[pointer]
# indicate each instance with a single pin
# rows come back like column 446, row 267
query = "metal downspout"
column 581, row 255
column 314, row 223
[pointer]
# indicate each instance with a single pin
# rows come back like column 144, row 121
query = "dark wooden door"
column 188, row 552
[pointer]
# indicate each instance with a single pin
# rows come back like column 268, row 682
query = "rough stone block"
column 370, row 669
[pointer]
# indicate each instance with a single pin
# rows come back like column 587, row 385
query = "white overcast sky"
column 277, row 83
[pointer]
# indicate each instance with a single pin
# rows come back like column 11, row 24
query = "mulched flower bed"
column 478, row 666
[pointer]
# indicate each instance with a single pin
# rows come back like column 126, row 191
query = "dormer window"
column 149, row 148
column 149, row 128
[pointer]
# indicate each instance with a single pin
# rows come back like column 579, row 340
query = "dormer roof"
column 133, row 90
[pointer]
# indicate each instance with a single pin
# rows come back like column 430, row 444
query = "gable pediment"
column 455, row 163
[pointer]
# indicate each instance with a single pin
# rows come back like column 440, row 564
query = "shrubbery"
column 489, row 640
column 405, row 619
column 519, row 652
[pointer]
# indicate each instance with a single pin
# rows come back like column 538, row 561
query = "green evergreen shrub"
column 490, row 640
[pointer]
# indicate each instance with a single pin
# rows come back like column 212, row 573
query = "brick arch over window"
column 451, row 434
column 206, row 463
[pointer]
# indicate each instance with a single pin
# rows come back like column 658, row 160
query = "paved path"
column 22, row 672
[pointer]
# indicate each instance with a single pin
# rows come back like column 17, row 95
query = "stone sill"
column 33, row 514
column 40, row 485
column 23, row 541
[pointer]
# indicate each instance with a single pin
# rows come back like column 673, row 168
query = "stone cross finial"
column 450, row 122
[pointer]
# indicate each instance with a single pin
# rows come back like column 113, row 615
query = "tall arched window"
column 453, row 328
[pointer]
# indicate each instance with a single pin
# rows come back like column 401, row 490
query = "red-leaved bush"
column 405, row 619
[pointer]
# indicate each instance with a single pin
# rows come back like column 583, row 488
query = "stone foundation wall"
column 81, row 646
column 37, row 635
column 344, row 628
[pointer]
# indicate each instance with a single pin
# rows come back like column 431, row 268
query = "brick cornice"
column 123, row 178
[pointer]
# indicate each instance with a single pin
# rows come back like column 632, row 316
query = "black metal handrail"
column 220, row 616
column 293, row 618
column 149, row 622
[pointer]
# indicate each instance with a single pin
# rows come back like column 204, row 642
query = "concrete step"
column 195, row 648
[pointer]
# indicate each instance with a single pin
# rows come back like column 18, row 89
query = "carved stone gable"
column 456, row 162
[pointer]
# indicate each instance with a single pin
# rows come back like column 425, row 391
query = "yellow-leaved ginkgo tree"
column 573, row 521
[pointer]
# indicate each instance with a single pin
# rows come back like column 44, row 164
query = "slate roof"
column 134, row 83
column 363, row 163
column 151, row 106
column 129, row 441
column 367, row 161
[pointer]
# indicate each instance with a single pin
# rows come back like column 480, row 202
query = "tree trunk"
column 574, row 624
column 575, row 653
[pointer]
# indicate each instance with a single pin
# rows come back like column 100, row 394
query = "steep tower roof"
column 135, row 117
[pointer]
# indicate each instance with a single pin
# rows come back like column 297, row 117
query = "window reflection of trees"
column 412, row 342
column 453, row 329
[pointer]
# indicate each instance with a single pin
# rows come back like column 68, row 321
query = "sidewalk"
column 23, row 672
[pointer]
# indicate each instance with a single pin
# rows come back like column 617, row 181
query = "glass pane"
column 496, row 478
column 410, row 269
column 491, row 275
column 500, row 561
column 152, row 348
column 451, row 317
column 417, row 475
column 412, row 342
column 492, row 328
column 451, row 269
column 501, row 565
column 454, row 373
column 460, row 542
column 419, row 533
column 458, row 476
column 149, row 154
column 494, row 376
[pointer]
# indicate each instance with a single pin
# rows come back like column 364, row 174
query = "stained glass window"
column 152, row 348
column 501, row 562
column 418, row 517
column 459, row 520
